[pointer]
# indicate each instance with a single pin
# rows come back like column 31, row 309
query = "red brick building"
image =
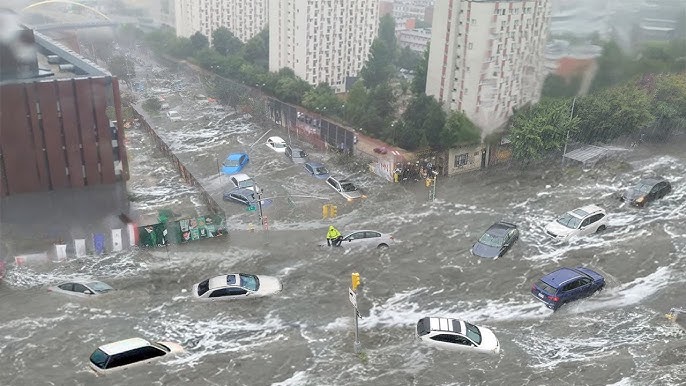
column 54, row 129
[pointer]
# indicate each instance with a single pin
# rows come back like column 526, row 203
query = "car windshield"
column 473, row 333
column 492, row 240
column 569, row 221
column 246, row 183
column 99, row 287
column 279, row 145
column 250, row 282
column 99, row 358
column 231, row 163
column 203, row 287
column 321, row 170
column 348, row 187
column 643, row 188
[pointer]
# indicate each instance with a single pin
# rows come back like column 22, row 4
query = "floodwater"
column 304, row 336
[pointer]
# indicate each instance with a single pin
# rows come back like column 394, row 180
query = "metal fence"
column 206, row 198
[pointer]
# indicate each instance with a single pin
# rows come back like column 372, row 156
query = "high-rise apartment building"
column 487, row 57
column 322, row 41
column 244, row 18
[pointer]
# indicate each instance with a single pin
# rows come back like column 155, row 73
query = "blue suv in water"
column 567, row 284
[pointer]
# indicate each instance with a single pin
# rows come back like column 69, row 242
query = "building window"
column 461, row 160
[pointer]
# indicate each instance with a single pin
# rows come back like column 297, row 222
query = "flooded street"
column 304, row 336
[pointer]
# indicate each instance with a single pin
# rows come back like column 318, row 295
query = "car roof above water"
column 561, row 276
column 586, row 210
column 444, row 324
column 124, row 345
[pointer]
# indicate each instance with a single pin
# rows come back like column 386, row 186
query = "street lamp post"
column 571, row 115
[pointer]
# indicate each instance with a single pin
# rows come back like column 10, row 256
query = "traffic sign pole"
column 355, row 282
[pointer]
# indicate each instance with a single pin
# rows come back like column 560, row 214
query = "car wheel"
column 601, row 228
column 382, row 247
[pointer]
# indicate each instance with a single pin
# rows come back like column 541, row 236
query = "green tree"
column 356, row 109
column 612, row 113
column 225, row 42
column 123, row 68
column 668, row 105
column 556, row 86
column 383, row 105
column 424, row 115
column 387, row 33
column 378, row 69
column 542, row 128
column 459, row 130
column 408, row 59
column 613, row 67
column 181, row 48
column 291, row 89
column 199, row 41
column 256, row 50
column 322, row 98
column 419, row 80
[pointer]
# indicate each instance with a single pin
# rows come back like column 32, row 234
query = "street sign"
column 251, row 208
column 353, row 297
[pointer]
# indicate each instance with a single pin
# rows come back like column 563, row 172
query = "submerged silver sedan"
column 82, row 288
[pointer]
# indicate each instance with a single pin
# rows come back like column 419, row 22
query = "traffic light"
column 325, row 210
column 333, row 210
column 355, row 280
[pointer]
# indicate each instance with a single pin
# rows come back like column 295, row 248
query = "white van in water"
column 128, row 353
column 173, row 115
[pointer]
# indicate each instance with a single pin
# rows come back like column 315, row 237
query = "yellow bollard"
column 251, row 227
column 427, row 182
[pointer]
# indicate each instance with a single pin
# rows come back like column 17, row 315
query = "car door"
column 509, row 240
column 82, row 290
column 663, row 189
column 584, row 228
column 354, row 240
column 67, row 287
column 372, row 239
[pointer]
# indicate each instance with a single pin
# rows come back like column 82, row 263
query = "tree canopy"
column 256, row 50
column 322, row 98
column 539, row 129
column 224, row 42
column 419, row 80
column 423, row 119
column 379, row 68
column 458, row 131
column 199, row 41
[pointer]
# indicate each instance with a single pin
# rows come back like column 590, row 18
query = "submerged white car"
column 128, row 353
column 242, row 181
column 236, row 286
column 82, row 288
column 454, row 334
column 344, row 187
column 578, row 222
column 277, row 144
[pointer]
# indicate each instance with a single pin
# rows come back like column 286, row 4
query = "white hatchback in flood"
column 277, row 144
column 242, row 181
column 82, row 288
column 128, row 353
column 578, row 222
column 457, row 335
column 236, row 286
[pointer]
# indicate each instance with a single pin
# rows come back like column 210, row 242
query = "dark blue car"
column 567, row 284
column 497, row 240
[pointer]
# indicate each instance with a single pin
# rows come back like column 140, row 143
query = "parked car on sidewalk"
column 565, row 285
column 173, row 115
column 236, row 286
column 129, row 353
column 234, row 163
column 458, row 335
column 277, row 144
column 344, row 187
column 242, row 181
column 317, row 170
column 578, row 222
column 647, row 190
column 296, row 155
column 244, row 196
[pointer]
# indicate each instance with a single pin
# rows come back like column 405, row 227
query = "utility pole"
column 355, row 282
column 571, row 115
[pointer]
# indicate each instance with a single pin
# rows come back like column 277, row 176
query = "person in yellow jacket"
column 333, row 237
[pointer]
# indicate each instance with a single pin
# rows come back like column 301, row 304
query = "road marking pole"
column 355, row 281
